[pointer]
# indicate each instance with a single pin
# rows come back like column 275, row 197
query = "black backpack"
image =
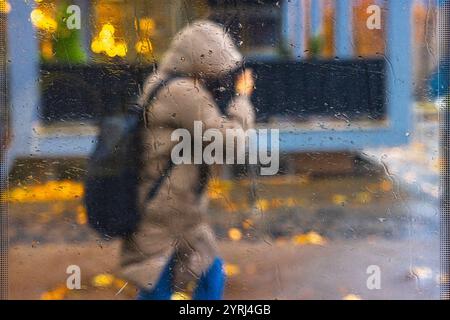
column 113, row 168
column 112, row 172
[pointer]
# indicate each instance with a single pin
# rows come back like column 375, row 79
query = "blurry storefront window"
column 255, row 25
column 140, row 30
column 136, row 30
column 368, row 42
column 57, row 43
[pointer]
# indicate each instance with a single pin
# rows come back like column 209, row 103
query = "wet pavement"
column 302, row 237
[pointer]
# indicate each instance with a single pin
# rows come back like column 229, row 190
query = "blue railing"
column 399, row 62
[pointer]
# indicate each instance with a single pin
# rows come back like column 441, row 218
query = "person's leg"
column 147, row 260
column 199, row 270
column 190, row 271
column 163, row 289
column 211, row 284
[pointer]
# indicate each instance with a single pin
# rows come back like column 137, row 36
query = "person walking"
column 174, row 250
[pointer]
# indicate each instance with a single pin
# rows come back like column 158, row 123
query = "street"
column 303, row 238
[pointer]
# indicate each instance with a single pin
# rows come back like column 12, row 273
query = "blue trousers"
column 210, row 286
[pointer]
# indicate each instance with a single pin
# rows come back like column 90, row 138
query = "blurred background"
column 351, row 84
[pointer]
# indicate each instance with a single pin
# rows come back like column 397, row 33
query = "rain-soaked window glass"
column 245, row 149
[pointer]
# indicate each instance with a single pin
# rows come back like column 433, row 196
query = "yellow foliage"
column 219, row 188
column 49, row 191
column 339, row 199
column 147, row 26
column 262, row 205
column 5, row 7
column 231, row 269
column 144, row 46
column 81, row 216
column 235, row 234
column 180, row 296
column 56, row 294
column 103, row 280
column 42, row 21
column 311, row 237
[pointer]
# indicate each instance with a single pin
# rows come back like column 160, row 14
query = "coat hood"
column 202, row 49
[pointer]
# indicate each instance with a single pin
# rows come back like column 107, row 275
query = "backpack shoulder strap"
column 137, row 108
column 204, row 169
column 158, row 183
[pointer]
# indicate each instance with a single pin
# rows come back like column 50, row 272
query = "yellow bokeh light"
column 96, row 46
column 111, row 52
column 147, row 26
column 5, row 7
column 57, row 294
column 103, row 280
column 339, row 199
column 144, row 46
column 106, row 42
column 218, row 189
column 235, row 234
column 262, row 205
column 121, row 49
column 81, row 216
column 231, row 269
column 180, row 296
column 42, row 21
column 311, row 237
column 50, row 191
column 107, row 31
column 47, row 49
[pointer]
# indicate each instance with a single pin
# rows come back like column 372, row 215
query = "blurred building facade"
column 311, row 41
column 139, row 31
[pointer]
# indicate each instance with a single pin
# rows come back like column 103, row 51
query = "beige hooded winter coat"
column 174, row 221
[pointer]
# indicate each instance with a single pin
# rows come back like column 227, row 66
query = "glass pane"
column 120, row 166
